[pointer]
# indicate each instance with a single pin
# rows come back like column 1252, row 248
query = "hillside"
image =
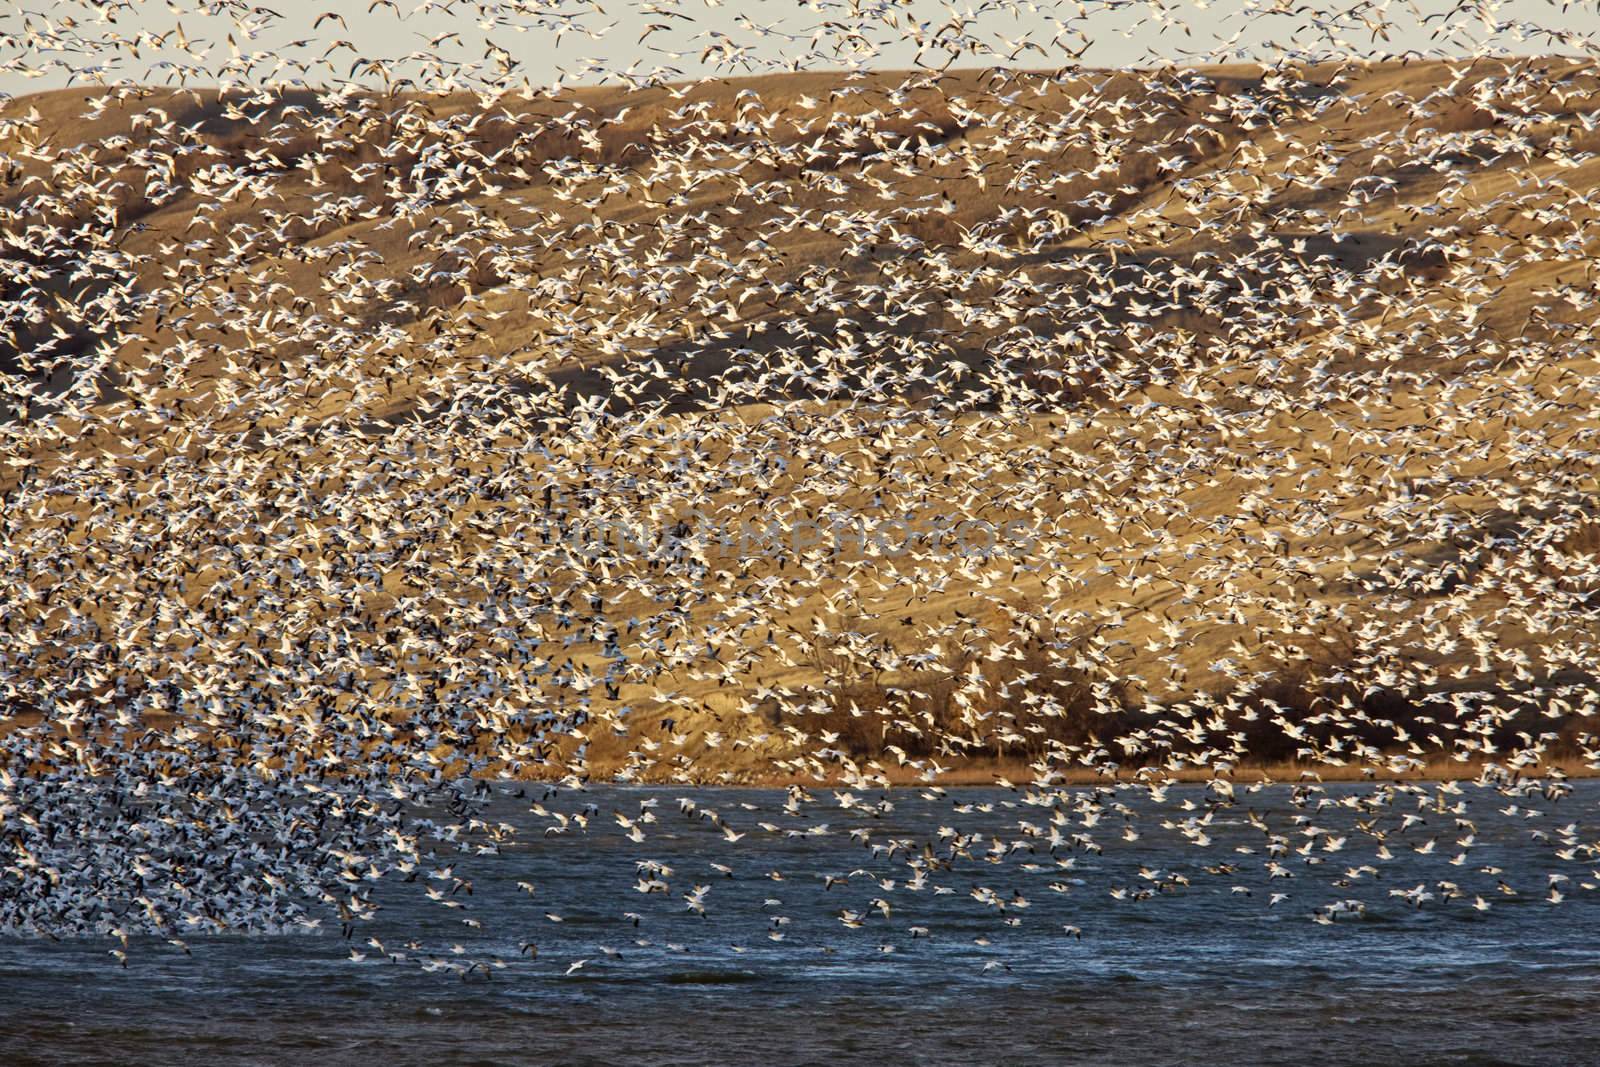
column 413, row 435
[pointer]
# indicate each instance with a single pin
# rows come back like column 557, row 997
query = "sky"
column 545, row 44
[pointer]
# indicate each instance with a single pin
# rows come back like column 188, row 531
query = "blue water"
column 1191, row 974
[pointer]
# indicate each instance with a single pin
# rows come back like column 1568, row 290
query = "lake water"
column 1196, row 973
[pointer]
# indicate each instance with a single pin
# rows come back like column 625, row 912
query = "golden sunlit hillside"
column 810, row 427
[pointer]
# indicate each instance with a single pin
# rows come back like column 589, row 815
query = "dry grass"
column 490, row 289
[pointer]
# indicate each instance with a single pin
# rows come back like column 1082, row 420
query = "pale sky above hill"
column 53, row 43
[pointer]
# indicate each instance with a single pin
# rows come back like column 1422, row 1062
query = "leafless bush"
column 1035, row 698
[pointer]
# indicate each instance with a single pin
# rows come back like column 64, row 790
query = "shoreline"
column 1000, row 774
column 872, row 773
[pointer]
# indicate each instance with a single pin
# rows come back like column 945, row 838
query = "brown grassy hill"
column 1288, row 375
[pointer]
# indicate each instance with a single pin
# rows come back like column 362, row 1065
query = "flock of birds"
column 1092, row 429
